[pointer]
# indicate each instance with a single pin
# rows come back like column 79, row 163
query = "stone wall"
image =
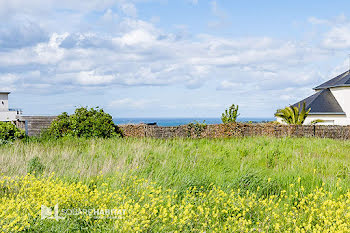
column 35, row 124
column 236, row 130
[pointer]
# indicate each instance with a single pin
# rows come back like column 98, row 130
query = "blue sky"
column 163, row 58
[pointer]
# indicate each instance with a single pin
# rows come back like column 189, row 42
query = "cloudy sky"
column 169, row 58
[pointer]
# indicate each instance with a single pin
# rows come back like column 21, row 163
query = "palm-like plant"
column 293, row 115
column 230, row 115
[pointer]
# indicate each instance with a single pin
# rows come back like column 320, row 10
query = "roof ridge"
column 334, row 82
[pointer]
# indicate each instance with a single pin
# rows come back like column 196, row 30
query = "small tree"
column 93, row 122
column 293, row 115
column 230, row 115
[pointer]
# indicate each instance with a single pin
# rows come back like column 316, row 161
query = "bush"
column 9, row 131
column 35, row 166
column 93, row 122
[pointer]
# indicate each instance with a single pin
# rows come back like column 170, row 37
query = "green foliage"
column 246, row 163
column 35, row 166
column 264, row 166
column 293, row 115
column 9, row 132
column 254, row 181
column 93, row 122
column 315, row 122
column 197, row 128
column 230, row 115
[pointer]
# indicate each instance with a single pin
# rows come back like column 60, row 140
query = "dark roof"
column 323, row 102
column 342, row 80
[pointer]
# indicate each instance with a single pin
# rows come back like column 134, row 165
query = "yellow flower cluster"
column 114, row 204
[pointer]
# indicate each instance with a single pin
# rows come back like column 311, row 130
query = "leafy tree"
column 9, row 131
column 230, row 115
column 93, row 122
column 293, row 115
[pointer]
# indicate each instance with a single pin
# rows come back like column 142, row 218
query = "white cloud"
column 340, row 19
column 337, row 32
column 131, row 103
column 144, row 55
column 122, row 51
column 137, row 37
column 314, row 20
column 44, row 6
column 109, row 15
column 229, row 85
column 21, row 33
column 8, row 78
column 92, row 78
column 338, row 37
column 129, row 9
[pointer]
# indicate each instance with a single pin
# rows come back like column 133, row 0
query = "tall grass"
column 245, row 163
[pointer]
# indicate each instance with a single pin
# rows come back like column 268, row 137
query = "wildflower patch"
column 31, row 203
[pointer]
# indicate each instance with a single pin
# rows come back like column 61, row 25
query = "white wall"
column 4, row 103
column 5, row 114
column 342, row 95
column 328, row 120
column 8, row 115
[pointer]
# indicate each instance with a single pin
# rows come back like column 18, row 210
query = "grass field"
column 238, row 184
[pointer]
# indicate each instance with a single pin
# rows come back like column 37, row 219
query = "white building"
column 7, row 114
column 330, row 103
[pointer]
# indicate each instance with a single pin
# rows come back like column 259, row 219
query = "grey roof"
column 342, row 80
column 322, row 102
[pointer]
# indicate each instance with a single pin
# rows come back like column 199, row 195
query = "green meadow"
column 244, row 163
column 178, row 185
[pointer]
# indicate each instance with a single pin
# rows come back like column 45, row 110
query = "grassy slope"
column 245, row 163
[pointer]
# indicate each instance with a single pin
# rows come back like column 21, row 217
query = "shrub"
column 196, row 127
column 93, row 122
column 35, row 166
column 9, row 131
column 230, row 115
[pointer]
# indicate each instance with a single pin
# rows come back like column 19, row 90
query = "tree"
column 93, row 122
column 293, row 115
column 230, row 115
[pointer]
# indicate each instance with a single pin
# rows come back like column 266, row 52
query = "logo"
column 46, row 213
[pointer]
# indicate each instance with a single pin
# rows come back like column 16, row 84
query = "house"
column 6, row 113
column 330, row 103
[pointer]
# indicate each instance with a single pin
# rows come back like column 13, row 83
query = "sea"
column 182, row 121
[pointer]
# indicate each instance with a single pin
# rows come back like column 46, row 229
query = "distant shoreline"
column 183, row 121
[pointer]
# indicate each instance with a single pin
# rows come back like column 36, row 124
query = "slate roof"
column 342, row 80
column 322, row 102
